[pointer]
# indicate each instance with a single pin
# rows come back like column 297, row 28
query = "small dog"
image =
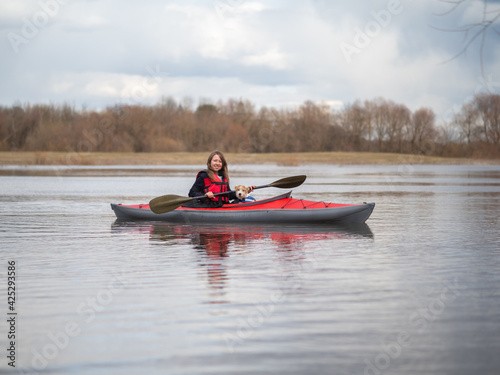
column 242, row 193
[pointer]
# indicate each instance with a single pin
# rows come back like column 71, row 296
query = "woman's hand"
column 210, row 195
column 250, row 188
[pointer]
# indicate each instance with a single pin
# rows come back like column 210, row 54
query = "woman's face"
column 216, row 163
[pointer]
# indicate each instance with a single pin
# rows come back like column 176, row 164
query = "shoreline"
column 25, row 158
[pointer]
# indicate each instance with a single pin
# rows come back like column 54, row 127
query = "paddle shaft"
column 170, row 202
column 229, row 192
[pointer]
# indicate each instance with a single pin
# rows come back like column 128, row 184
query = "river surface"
column 414, row 291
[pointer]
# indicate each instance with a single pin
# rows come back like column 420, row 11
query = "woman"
column 213, row 180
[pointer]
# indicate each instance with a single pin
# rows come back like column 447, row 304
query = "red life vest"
column 217, row 186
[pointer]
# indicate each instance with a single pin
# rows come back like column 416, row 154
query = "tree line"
column 377, row 125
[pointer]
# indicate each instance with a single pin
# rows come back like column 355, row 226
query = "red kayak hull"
column 281, row 209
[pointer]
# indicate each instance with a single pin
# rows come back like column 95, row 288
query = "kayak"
column 281, row 209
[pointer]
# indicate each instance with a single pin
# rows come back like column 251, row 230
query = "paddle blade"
column 289, row 182
column 166, row 203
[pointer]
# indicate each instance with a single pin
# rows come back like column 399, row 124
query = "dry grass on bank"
column 199, row 158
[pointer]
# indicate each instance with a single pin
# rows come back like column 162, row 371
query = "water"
column 414, row 291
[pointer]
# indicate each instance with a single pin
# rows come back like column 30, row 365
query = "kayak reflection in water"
column 213, row 180
column 215, row 247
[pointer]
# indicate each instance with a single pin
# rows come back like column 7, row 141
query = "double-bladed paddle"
column 169, row 202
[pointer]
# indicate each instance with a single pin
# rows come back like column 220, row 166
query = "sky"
column 94, row 54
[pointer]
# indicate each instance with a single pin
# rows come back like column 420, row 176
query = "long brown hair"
column 211, row 172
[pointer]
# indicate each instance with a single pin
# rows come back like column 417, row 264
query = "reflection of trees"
column 476, row 32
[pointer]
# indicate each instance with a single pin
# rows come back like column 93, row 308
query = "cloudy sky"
column 276, row 53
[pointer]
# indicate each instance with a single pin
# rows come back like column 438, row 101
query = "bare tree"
column 379, row 120
column 488, row 109
column 357, row 122
column 422, row 131
column 466, row 122
column 476, row 32
column 399, row 120
column 378, row 125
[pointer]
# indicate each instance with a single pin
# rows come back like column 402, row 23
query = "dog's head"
column 241, row 192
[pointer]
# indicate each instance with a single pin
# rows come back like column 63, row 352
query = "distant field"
column 189, row 158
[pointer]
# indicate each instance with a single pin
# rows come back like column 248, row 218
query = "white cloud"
column 85, row 22
column 14, row 10
column 251, row 7
column 272, row 58
column 121, row 86
column 62, row 87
